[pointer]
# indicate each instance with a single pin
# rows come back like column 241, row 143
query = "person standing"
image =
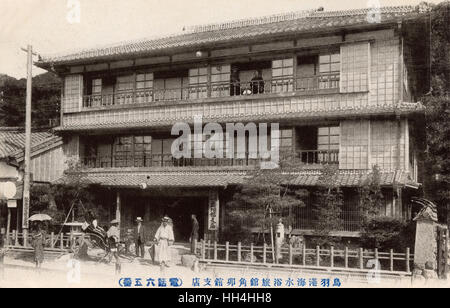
column 257, row 83
column 194, row 232
column 139, row 237
column 38, row 244
column 164, row 238
column 113, row 240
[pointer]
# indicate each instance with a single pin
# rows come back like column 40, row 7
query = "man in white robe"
column 164, row 238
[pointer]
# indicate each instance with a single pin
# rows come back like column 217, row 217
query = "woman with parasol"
column 39, row 237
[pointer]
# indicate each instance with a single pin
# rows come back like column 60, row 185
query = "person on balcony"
column 139, row 237
column 257, row 83
column 235, row 82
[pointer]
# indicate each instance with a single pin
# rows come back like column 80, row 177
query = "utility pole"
column 26, row 179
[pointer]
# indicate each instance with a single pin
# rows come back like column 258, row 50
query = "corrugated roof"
column 132, row 179
column 12, row 140
column 259, row 28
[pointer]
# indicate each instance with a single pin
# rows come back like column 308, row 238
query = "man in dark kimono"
column 194, row 232
column 139, row 238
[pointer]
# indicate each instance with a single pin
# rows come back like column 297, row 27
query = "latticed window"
column 123, row 151
column 97, row 86
column 144, row 81
column 198, row 80
column 142, row 151
column 329, row 68
column 125, row 83
column 282, row 74
column 328, row 138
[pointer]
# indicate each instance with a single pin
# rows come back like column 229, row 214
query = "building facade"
column 342, row 86
column 47, row 165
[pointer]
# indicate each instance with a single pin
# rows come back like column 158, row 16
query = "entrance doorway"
column 152, row 209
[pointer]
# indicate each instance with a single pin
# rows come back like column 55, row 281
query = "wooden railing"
column 302, row 257
column 62, row 241
column 306, row 84
column 313, row 157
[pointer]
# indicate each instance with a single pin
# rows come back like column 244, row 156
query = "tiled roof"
column 259, row 28
column 131, row 179
column 12, row 141
column 355, row 178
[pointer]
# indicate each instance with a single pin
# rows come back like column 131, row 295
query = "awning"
column 194, row 179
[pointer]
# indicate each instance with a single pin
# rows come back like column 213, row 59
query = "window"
column 142, row 151
column 144, row 81
column 97, row 86
column 198, row 79
column 282, row 74
column 220, row 80
column 125, row 83
column 123, row 151
column 328, row 138
column 329, row 68
column 329, row 63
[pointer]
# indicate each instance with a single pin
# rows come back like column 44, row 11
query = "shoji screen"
column 355, row 59
column 73, row 93
column 198, row 81
column 282, row 75
column 220, row 80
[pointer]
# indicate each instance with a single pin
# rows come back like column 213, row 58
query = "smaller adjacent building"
column 47, row 165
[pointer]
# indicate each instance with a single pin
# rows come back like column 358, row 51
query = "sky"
column 50, row 27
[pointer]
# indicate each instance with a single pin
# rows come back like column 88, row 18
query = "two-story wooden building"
column 342, row 85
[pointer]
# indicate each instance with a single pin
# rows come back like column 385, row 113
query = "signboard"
column 213, row 211
column 8, row 190
column 12, row 204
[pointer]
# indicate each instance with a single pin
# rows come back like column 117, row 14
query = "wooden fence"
column 316, row 258
column 63, row 241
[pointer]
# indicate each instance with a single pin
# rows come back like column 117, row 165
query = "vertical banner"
column 213, row 211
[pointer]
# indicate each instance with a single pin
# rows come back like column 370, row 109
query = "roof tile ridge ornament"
column 363, row 11
column 247, row 22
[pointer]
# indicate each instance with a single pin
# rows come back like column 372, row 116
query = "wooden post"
column 408, row 269
column 290, row 253
column 251, row 252
column 317, row 255
column 346, row 257
column 376, row 255
column 239, row 252
column 227, row 251
column 62, row 241
column 8, row 226
column 304, row 254
column 361, row 258
column 203, row 250
column 391, row 259
column 27, row 156
column 215, row 250
column 264, row 253
column 331, row 256
column 195, row 247
column 52, row 238
column 209, row 249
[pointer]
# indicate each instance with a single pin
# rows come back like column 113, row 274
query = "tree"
column 436, row 161
column 266, row 196
column 371, row 198
column 327, row 208
column 46, row 98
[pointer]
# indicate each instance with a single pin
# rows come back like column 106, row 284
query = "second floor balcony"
column 307, row 85
column 311, row 159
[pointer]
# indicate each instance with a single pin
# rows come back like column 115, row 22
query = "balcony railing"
column 306, row 85
column 313, row 157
